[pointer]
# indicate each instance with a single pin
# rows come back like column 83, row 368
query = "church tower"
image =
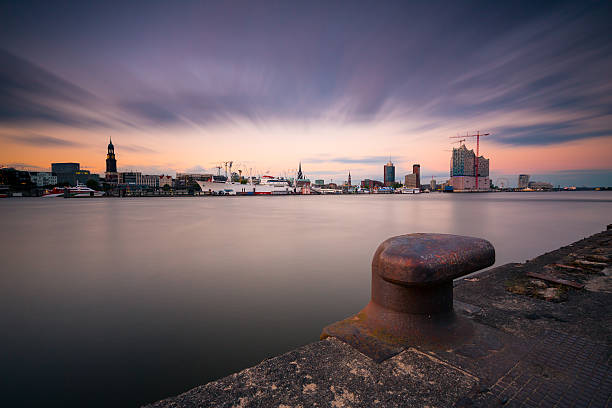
column 300, row 175
column 111, row 175
column 111, row 162
column 349, row 179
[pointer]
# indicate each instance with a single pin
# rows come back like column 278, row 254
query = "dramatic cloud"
column 41, row 141
column 349, row 160
column 135, row 148
column 531, row 73
column 31, row 94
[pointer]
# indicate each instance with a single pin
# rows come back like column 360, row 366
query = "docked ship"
column 408, row 190
column 268, row 185
column 80, row 190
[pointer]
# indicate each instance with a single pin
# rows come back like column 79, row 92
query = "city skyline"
column 338, row 87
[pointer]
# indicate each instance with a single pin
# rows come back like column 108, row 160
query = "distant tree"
column 397, row 185
column 166, row 187
column 93, row 184
column 243, row 181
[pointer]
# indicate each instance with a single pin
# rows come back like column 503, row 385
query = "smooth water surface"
column 120, row 302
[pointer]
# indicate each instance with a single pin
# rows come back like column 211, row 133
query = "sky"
column 338, row 85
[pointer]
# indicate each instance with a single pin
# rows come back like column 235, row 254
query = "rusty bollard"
column 412, row 295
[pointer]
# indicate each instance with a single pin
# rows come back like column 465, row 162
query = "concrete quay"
column 541, row 337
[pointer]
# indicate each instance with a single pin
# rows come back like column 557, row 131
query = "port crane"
column 477, row 136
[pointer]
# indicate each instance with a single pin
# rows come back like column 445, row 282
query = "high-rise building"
column 523, row 180
column 410, row 181
column 389, row 174
column 413, row 180
column 463, row 170
column 432, row 185
column 416, row 169
column 462, row 162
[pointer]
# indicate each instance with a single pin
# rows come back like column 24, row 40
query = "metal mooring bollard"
column 412, row 295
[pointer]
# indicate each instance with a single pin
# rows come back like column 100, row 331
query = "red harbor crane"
column 477, row 136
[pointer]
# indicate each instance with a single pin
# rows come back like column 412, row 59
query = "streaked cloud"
column 41, row 141
column 349, row 160
column 135, row 148
column 315, row 76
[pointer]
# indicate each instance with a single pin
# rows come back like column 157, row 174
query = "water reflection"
column 121, row 302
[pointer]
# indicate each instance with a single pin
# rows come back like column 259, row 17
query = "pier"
column 532, row 334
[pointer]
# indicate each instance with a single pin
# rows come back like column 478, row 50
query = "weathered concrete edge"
column 318, row 376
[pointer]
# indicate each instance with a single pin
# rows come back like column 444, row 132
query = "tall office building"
column 523, row 181
column 416, row 169
column 410, row 181
column 389, row 174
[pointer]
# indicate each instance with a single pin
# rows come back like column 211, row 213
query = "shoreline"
column 202, row 194
column 539, row 339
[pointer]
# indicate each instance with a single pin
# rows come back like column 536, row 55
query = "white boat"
column 268, row 185
column 80, row 190
column 405, row 190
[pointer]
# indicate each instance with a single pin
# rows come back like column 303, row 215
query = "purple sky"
column 338, row 85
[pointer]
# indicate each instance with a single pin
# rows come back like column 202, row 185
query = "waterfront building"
column 319, row 182
column 463, row 170
column 83, row 176
column 130, row 178
column 523, row 181
column 432, row 185
column 349, row 179
column 371, row 184
column 193, row 177
column 483, row 167
column 416, row 169
column 165, row 181
column 540, row 185
column 413, row 180
column 460, row 183
column 15, row 180
column 190, row 180
column 65, row 172
column 43, row 178
column 410, row 181
column 389, row 174
column 150, row 180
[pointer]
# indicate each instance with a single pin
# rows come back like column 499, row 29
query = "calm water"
column 120, row 302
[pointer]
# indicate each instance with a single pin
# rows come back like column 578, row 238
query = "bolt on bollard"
column 412, row 295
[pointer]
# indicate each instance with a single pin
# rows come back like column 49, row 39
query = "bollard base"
column 381, row 333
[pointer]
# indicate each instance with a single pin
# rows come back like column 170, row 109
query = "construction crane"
column 477, row 136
